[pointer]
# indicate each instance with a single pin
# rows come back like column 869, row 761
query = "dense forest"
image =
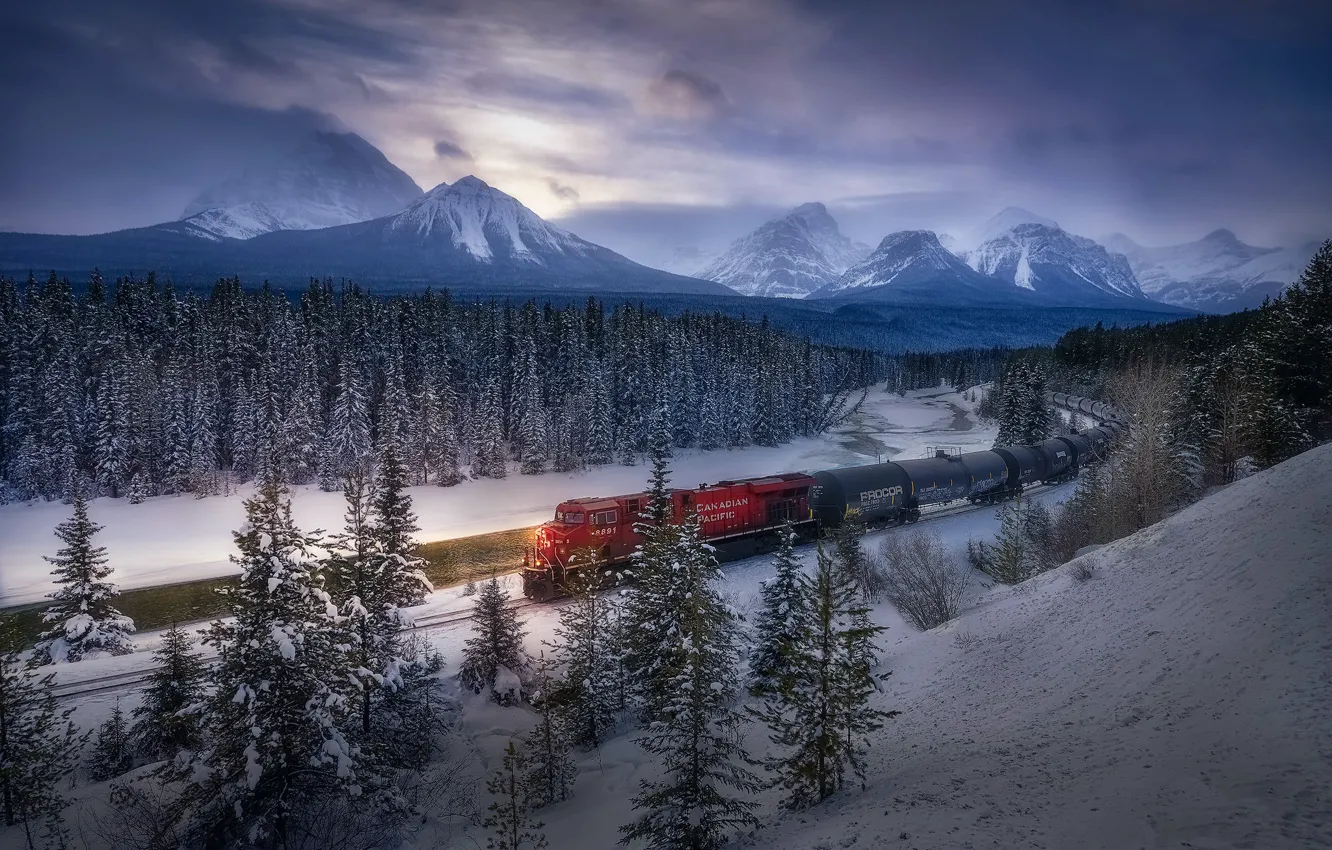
column 134, row 389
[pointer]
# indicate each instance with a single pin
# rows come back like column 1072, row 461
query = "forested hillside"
column 135, row 389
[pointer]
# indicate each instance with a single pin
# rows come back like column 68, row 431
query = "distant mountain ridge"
column 787, row 257
column 1045, row 259
column 912, row 267
column 1218, row 272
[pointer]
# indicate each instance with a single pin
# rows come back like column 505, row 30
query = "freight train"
column 742, row 517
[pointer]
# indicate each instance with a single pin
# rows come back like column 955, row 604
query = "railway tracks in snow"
column 130, row 680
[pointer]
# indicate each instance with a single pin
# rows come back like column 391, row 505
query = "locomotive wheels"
column 540, row 591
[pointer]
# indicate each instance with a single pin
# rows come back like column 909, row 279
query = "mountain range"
column 1217, row 273
column 335, row 206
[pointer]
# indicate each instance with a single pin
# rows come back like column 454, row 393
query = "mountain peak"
column 472, row 183
column 1004, row 221
column 787, row 257
column 1222, row 236
column 327, row 180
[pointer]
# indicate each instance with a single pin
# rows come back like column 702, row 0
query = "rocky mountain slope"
column 787, row 257
column 1060, row 266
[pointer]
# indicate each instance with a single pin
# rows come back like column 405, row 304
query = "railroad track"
column 130, row 680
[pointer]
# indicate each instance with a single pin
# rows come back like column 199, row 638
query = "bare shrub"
column 1084, row 569
column 967, row 641
column 921, row 580
column 979, row 555
column 139, row 815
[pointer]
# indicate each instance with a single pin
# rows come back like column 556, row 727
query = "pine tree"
column 654, row 591
column 851, row 559
column 490, row 454
column 509, row 819
column 819, row 714
column 589, row 691
column 166, row 721
column 112, row 754
column 278, row 712
column 694, row 733
column 39, row 747
column 780, row 622
column 495, row 651
column 553, row 772
column 86, row 620
column 1015, row 556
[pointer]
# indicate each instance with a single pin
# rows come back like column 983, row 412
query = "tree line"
column 134, row 389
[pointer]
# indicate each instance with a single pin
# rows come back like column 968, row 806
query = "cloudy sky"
column 666, row 125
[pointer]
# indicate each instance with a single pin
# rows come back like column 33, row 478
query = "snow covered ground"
column 1179, row 698
column 171, row 539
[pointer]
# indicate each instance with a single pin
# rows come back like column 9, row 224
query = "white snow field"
column 170, row 539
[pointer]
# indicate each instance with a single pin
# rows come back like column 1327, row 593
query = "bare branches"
column 921, row 579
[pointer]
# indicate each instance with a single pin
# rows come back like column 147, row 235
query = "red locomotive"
column 739, row 517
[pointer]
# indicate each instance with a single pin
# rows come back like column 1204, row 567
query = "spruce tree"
column 496, row 644
column 509, row 821
column 695, row 733
column 654, row 591
column 590, row 693
column 780, row 622
column 819, row 715
column 166, row 721
column 112, row 753
column 552, row 774
column 39, row 747
column 850, row 556
column 1014, row 557
column 85, row 620
column 277, row 716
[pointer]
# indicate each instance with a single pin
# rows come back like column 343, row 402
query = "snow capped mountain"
column 912, row 265
column 1217, row 272
column 1042, row 258
column 330, row 179
column 787, row 257
column 1000, row 224
column 483, row 221
column 468, row 234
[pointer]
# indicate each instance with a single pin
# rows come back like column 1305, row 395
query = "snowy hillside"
column 914, row 265
column 1217, row 272
column 1044, row 259
column 787, row 257
column 1180, row 698
column 331, row 179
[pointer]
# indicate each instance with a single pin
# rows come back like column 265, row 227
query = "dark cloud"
column 1170, row 116
column 561, row 191
column 445, row 149
column 686, row 95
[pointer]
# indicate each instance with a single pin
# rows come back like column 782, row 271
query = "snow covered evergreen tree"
column 1018, row 553
column 553, row 771
column 819, row 714
column 494, row 654
column 166, row 721
column 490, row 455
column 278, row 715
column 85, row 621
column 589, row 693
column 695, row 732
column 780, row 622
column 509, row 821
column 112, row 753
column 39, row 747
column 850, row 556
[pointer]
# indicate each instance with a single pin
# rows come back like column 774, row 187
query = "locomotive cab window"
column 603, row 518
column 569, row 517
